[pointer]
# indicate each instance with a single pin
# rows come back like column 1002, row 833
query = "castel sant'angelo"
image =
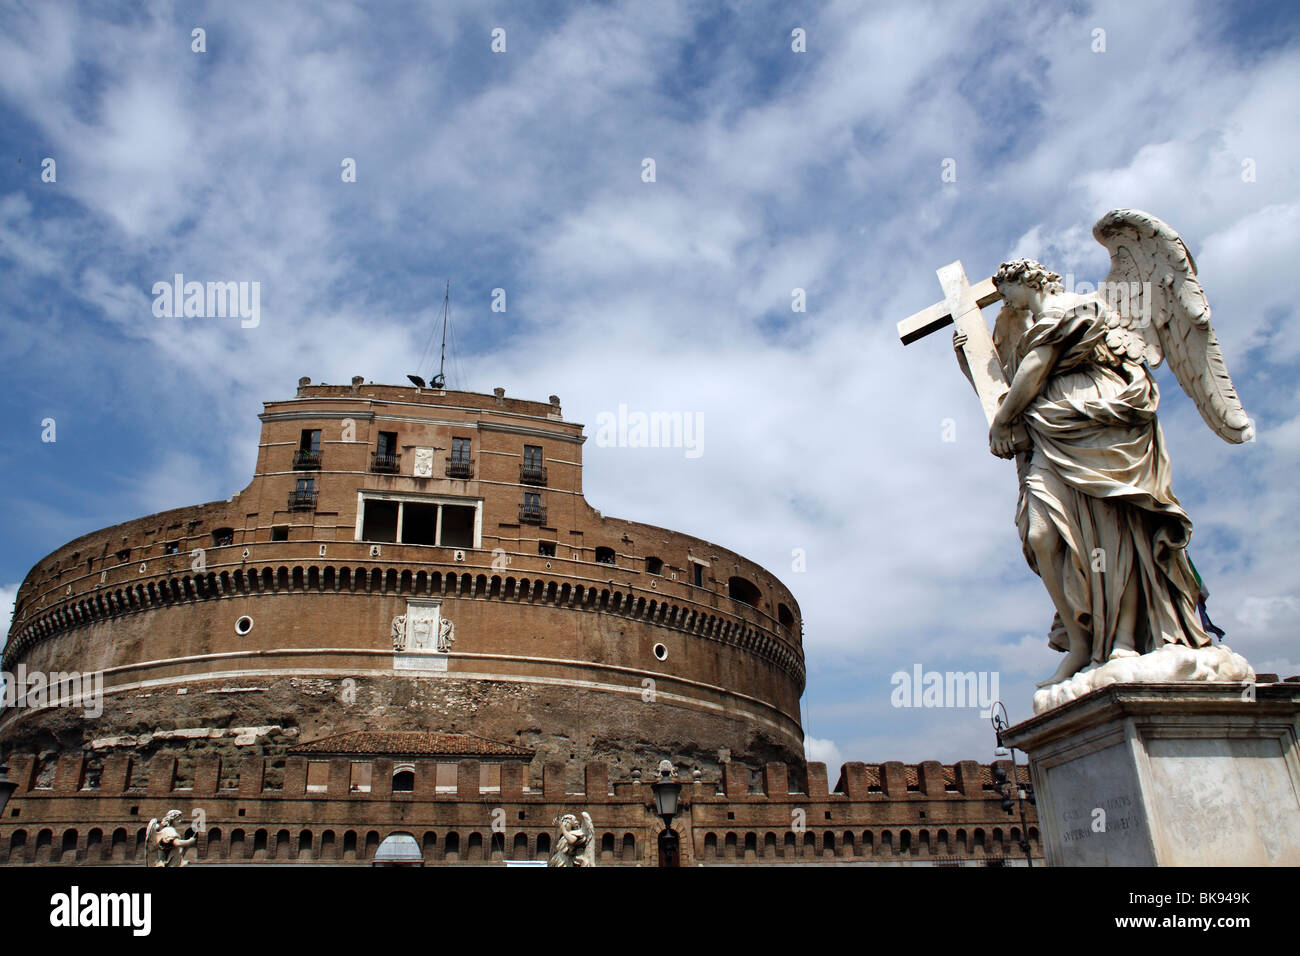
column 412, row 622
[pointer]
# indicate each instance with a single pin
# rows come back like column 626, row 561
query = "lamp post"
column 1004, row 787
column 666, row 793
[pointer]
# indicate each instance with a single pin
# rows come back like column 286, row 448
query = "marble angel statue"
column 575, row 843
column 1097, row 515
column 164, row 845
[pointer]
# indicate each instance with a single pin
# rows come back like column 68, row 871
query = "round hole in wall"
column 243, row 625
column 661, row 652
column 548, row 565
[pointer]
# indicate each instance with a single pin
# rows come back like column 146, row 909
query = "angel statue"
column 575, row 844
column 1097, row 515
column 164, row 845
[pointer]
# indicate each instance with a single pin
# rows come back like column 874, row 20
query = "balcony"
column 532, row 475
column 385, row 464
column 305, row 460
column 532, row 514
column 460, row 468
column 302, row 500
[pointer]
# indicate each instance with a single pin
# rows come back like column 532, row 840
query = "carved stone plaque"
column 423, row 463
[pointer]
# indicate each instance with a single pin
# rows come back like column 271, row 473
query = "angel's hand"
column 1001, row 442
column 958, row 340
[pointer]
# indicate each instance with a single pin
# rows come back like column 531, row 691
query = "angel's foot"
column 1074, row 662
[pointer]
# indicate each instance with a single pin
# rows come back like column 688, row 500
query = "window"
column 604, row 555
column 546, row 549
column 222, row 537
column 744, row 591
column 360, row 782
column 280, row 533
column 318, row 776
column 785, row 616
column 404, row 781
column 444, row 523
column 697, row 574
column 308, row 453
column 489, row 776
column 654, row 566
column 172, row 547
column 457, row 526
column 459, row 464
column 380, row 521
column 532, row 472
column 531, row 511
column 386, row 458
column 419, row 523
column 446, row 777
column 303, row 497
column 124, row 555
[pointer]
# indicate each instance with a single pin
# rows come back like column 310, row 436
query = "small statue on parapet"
column 164, row 846
column 575, row 844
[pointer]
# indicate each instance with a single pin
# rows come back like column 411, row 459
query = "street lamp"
column 1006, row 788
column 666, row 792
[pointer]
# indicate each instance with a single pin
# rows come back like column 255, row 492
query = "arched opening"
column 669, row 848
column 404, row 781
column 744, row 591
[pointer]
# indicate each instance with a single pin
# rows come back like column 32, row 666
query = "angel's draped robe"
column 1098, row 472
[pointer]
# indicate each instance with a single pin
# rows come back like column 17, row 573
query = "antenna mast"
column 440, row 381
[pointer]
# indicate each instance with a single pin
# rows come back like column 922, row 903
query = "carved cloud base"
column 1174, row 774
column 1171, row 663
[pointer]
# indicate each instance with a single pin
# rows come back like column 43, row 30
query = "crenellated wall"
column 886, row 814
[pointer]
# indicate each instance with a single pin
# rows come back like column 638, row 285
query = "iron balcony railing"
column 460, row 468
column 532, row 474
column 304, row 459
column 532, row 514
column 385, row 464
column 302, row 501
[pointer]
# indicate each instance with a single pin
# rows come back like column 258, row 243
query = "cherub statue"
column 575, row 844
column 164, row 846
column 1097, row 515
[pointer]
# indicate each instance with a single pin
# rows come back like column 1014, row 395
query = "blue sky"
column 775, row 170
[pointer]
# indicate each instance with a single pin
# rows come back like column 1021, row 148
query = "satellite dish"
column 417, row 380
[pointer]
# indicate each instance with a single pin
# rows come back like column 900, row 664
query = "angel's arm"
column 1033, row 372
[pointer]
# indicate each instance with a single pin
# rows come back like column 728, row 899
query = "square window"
column 546, row 549
column 280, row 533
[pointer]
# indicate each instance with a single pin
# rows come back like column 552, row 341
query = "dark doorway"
column 669, row 849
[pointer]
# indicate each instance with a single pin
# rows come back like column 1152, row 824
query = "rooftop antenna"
column 439, row 381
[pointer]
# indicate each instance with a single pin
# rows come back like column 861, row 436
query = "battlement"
column 249, row 777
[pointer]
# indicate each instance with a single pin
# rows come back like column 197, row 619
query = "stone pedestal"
column 1191, row 774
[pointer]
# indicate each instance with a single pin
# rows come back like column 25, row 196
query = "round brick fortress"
column 313, row 602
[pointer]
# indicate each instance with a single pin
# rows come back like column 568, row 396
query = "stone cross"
column 961, row 307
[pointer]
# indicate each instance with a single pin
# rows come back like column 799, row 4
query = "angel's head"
column 1020, row 278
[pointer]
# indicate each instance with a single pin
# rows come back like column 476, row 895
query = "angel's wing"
column 588, row 828
column 1159, row 311
column 154, row 827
